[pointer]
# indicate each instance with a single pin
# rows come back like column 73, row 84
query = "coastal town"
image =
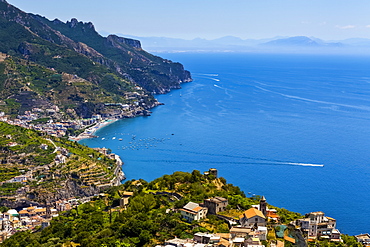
column 45, row 120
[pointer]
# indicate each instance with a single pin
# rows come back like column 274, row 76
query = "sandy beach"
column 90, row 132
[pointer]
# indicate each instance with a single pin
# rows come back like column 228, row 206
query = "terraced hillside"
column 40, row 167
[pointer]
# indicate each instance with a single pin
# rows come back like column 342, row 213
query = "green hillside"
column 147, row 220
column 48, row 164
column 71, row 66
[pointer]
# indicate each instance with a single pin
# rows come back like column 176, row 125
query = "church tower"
column 263, row 206
column 48, row 210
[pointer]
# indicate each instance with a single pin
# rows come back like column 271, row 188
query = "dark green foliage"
column 287, row 216
column 350, row 241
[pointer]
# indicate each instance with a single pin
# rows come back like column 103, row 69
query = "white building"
column 316, row 224
column 193, row 211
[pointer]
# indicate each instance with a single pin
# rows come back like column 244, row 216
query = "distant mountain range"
column 296, row 44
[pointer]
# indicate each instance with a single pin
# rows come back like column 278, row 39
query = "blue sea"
column 294, row 128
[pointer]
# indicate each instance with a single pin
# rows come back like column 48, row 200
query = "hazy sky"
column 325, row 19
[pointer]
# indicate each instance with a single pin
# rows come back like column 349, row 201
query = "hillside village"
column 259, row 225
column 256, row 226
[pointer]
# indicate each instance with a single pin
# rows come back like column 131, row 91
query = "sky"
column 211, row 19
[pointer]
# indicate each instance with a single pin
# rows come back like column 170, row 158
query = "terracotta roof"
column 128, row 193
column 37, row 210
column 224, row 242
column 292, row 240
column 23, row 212
column 272, row 214
column 251, row 213
column 224, row 235
column 197, row 209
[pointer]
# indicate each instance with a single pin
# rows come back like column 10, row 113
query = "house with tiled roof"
column 252, row 218
column 193, row 211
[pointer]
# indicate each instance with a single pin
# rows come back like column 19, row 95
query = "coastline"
column 90, row 132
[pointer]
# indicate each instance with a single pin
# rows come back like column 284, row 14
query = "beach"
column 90, row 132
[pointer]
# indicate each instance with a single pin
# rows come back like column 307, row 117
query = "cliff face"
column 120, row 40
column 125, row 56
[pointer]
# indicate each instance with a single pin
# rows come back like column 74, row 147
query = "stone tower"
column 263, row 206
column 213, row 172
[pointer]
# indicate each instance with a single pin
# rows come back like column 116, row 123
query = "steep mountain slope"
column 25, row 85
column 106, row 70
column 153, row 73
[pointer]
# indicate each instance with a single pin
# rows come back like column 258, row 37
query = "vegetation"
column 26, row 151
column 149, row 219
column 151, row 216
column 70, row 65
column 146, row 221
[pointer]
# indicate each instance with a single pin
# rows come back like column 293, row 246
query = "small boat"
column 120, row 139
column 113, row 138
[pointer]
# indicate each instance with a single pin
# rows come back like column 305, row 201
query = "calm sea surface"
column 265, row 122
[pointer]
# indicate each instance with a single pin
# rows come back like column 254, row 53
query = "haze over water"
column 267, row 123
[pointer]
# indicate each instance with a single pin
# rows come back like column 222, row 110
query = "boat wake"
column 259, row 161
column 205, row 74
column 229, row 162
column 305, row 164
